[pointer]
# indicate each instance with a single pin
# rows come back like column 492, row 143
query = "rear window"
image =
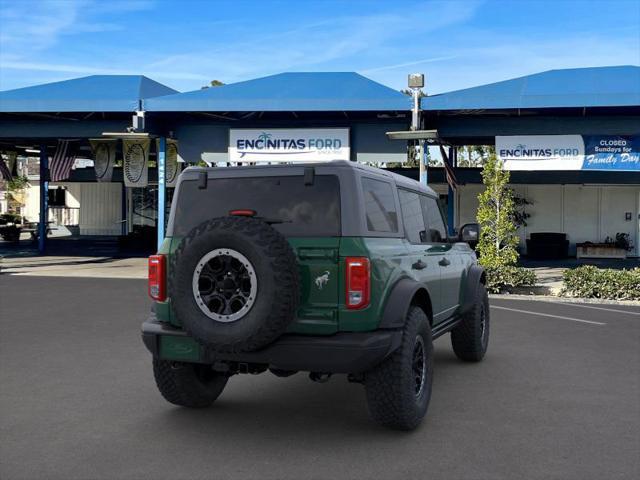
column 304, row 210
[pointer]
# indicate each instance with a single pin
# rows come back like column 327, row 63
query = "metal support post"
column 453, row 158
column 44, row 200
column 424, row 159
column 162, row 188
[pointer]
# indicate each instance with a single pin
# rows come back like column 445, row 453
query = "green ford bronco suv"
column 325, row 268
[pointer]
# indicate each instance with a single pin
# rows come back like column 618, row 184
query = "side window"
column 436, row 231
column 412, row 216
column 380, row 206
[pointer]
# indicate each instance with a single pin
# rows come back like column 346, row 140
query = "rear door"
column 319, row 276
column 423, row 263
column 306, row 213
column 444, row 253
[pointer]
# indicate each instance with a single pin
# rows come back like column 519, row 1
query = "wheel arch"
column 404, row 294
column 475, row 276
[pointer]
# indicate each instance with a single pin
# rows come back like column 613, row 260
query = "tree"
column 496, row 212
column 474, row 155
column 213, row 83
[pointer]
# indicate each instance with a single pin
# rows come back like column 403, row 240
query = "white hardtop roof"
column 400, row 180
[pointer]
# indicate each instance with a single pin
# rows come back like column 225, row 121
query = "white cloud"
column 408, row 64
column 499, row 57
column 31, row 27
column 89, row 70
column 436, row 37
column 314, row 46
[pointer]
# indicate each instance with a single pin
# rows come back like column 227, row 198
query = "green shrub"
column 592, row 282
column 503, row 277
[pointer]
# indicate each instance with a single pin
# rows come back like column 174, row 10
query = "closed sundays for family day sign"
column 569, row 152
column 289, row 145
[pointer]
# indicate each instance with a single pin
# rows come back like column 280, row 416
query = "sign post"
column 44, row 199
column 416, row 83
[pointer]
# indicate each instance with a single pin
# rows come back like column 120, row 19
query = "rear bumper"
column 345, row 352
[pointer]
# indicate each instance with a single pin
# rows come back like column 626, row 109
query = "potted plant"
column 617, row 247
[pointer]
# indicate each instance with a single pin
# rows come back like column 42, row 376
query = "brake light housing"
column 242, row 212
column 157, row 278
column 357, row 282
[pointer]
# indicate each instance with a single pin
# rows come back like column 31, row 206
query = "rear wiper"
column 273, row 221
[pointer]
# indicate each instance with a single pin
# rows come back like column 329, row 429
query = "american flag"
column 4, row 170
column 448, row 170
column 62, row 161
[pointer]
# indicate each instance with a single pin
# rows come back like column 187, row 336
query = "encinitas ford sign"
column 569, row 152
column 541, row 152
column 289, row 145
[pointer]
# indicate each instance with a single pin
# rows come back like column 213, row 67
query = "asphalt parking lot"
column 558, row 396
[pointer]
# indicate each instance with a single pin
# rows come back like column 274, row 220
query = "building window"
column 57, row 197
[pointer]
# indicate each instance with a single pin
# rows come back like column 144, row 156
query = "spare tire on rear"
column 234, row 284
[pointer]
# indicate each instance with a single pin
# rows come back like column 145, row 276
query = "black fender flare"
column 399, row 301
column 475, row 276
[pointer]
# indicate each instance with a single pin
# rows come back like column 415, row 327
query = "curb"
column 534, row 290
column 555, row 299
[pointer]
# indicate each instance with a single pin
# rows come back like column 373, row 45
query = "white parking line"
column 529, row 312
column 571, row 304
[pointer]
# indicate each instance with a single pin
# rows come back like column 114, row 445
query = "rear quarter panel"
column 389, row 263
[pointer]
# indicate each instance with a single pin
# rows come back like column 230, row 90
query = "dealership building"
column 571, row 139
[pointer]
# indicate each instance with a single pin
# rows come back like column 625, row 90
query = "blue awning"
column 96, row 93
column 577, row 87
column 288, row 92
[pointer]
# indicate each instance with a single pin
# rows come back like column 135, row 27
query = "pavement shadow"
column 290, row 407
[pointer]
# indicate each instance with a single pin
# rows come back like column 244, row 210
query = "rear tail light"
column 242, row 212
column 358, row 284
column 157, row 278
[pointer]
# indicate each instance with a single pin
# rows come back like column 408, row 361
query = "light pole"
column 416, row 83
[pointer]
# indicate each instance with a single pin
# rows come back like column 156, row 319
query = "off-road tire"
column 469, row 338
column 390, row 387
column 277, row 275
column 188, row 384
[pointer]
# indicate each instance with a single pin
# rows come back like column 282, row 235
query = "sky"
column 185, row 44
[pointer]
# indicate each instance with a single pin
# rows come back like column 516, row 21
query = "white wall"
column 583, row 212
column 100, row 208
column 614, row 203
column 32, row 202
column 581, row 215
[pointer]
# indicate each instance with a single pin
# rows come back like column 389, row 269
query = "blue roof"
column 577, row 87
column 299, row 92
column 96, row 93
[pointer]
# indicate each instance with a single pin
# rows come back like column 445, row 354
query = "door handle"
column 444, row 262
column 419, row 265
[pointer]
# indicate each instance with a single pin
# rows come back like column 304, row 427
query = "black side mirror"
column 470, row 233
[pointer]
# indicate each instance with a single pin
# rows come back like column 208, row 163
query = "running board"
column 446, row 326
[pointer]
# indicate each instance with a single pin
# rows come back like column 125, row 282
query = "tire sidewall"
column 483, row 309
column 207, row 330
column 423, row 330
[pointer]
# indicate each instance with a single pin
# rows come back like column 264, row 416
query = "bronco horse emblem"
column 322, row 280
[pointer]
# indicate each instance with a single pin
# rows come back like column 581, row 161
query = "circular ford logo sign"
column 101, row 160
column 171, row 168
column 134, row 162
